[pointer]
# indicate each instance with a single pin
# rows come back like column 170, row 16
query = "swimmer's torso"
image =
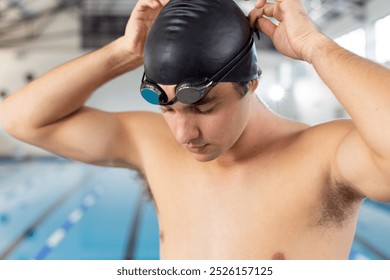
column 282, row 205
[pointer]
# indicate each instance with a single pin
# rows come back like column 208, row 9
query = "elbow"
column 12, row 125
column 20, row 131
column 5, row 121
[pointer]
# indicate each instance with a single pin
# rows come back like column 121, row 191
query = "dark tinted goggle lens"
column 189, row 95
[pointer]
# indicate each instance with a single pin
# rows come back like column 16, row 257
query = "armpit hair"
column 338, row 202
column 147, row 192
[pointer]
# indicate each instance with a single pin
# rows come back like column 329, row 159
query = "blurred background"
column 53, row 208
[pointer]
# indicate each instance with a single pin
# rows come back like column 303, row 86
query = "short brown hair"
column 243, row 87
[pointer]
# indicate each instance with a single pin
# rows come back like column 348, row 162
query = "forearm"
column 362, row 87
column 64, row 90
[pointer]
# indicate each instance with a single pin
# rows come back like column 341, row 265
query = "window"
column 354, row 41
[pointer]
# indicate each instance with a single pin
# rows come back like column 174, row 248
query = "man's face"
column 210, row 128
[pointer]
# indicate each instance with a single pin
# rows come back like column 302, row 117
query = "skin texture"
column 229, row 178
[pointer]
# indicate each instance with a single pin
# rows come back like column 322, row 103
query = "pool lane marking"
column 55, row 238
column 44, row 216
column 74, row 217
column 134, row 230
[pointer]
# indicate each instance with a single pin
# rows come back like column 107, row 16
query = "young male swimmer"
column 230, row 179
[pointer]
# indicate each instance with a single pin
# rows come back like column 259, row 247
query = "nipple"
column 278, row 256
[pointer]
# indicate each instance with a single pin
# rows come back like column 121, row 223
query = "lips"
column 196, row 148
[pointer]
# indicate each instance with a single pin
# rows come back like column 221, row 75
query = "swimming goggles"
column 190, row 92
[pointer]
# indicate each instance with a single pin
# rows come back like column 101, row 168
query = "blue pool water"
column 67, row 210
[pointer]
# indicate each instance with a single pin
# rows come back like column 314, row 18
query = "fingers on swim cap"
column 195, row 38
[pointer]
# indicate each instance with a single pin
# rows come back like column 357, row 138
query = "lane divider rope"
column 74, row 217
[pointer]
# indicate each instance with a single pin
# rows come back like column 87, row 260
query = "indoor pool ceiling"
column 23, row 20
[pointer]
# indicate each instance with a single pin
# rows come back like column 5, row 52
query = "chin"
column 204, row 157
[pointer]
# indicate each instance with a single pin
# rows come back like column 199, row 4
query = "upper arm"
column 356, row 164
column 92, row 136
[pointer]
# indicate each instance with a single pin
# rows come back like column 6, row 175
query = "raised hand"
column 139, row 24
column 294, row 35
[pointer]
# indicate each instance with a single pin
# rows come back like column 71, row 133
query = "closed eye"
column 204, row 110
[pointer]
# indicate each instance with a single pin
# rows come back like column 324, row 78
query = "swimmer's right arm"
column 49, row 112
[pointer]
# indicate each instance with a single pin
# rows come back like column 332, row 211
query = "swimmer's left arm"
column 361, row 86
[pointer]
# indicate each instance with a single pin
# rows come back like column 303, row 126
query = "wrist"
column 121, row 59
column 318, row 47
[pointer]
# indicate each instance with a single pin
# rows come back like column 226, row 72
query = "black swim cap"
column 193, row 39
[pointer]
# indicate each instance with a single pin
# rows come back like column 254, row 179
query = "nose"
column 186, row 130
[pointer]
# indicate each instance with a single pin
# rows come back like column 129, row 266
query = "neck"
column 265, row 131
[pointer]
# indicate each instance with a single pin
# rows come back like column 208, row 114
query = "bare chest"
column 251, row 216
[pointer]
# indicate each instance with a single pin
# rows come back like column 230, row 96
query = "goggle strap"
column 224, row 71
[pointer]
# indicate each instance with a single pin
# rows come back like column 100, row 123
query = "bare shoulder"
column 142, row 123
column 142, row 116
column 318, row 144
column 315, row 147
column 326, row 134
column 149, row 134
column 146, row 128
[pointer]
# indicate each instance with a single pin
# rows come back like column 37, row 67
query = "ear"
column 253, row 84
